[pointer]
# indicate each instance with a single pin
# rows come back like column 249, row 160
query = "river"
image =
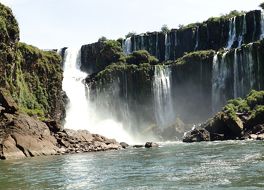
column 206, row 165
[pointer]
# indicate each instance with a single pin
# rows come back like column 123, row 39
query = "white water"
column 164, row 112
column 167, row 47
column 244, row 31
column 157, row 45
column 236, row 79
column 262, row 26
column 218, row 82
column 127, row 46
column 197, row 39
column 80, row 112
column 232, row 32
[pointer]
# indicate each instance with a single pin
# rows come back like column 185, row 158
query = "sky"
column 50, row 24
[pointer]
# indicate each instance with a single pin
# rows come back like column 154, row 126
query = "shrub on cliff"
column 141, row 56
column 194, row 56
column 261, row 5
column 130, row 34
column 165, row 29
column 252, row 105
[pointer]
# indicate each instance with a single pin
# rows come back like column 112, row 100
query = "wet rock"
column 197, row 135
column 138, row 146
column 124, row 145
column 151, row 144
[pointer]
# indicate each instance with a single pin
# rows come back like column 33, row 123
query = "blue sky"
column 59, row 23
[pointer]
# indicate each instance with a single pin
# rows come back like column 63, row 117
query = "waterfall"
column 236, row 79
column 244, row 31
column 167, row 47
column 127, row 46
column 142, row 41
column 80, row 111
column 157, row 46
column 262, row 26
column 163, row 103
column 219, row 76
column 232, row 32
column 197, row 39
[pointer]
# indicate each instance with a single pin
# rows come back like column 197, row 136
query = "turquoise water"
column 214, row 165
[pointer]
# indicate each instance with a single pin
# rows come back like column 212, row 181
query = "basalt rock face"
column 95, row 57
column 215, row 34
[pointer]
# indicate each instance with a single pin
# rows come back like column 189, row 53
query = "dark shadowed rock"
column 151, row 144
column 196, row 135
column 54, row 126
column 138, row 146
column 124, row 145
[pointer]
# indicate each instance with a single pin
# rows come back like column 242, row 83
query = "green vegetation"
column 199, row 56
column 261, row 5
column 165, row 29
column 102, row 39
column 9, row 31
column 36, row 80
column 221, row 18
column 141, row 56
column 130, row 34
column 252, row 105
column 231, row 14
column 137, row 61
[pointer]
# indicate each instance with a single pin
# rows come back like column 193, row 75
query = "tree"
column 165, row 29
column 261, row 5
column 130, row 34
column 102, row 39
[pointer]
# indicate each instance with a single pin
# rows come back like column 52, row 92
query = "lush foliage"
column 252, row 105
column 165, row 29
column 130, row 34
column 193, row 56
column 141, row 56
column 261, row 5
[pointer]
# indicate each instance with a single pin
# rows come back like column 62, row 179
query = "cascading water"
column 167, row 47
column 236, row 79
column 219, row 76
column 157, row 45
column 244, row 31
column 80, row 112
column 262, row 25
column 231, row 33
column 197, row 38
column 164, row 112
column 127, row 46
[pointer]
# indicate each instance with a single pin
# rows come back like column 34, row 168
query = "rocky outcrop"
column 24, row 136
column 239, row 119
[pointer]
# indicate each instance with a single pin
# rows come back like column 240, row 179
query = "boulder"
column 138, row 146
column 151, row 144
column 235, row 125
column 124, row 145
column 196, row 135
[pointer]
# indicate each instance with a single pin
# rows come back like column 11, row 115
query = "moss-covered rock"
column 238, row 119
column 32, row 76
column 95, row 57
